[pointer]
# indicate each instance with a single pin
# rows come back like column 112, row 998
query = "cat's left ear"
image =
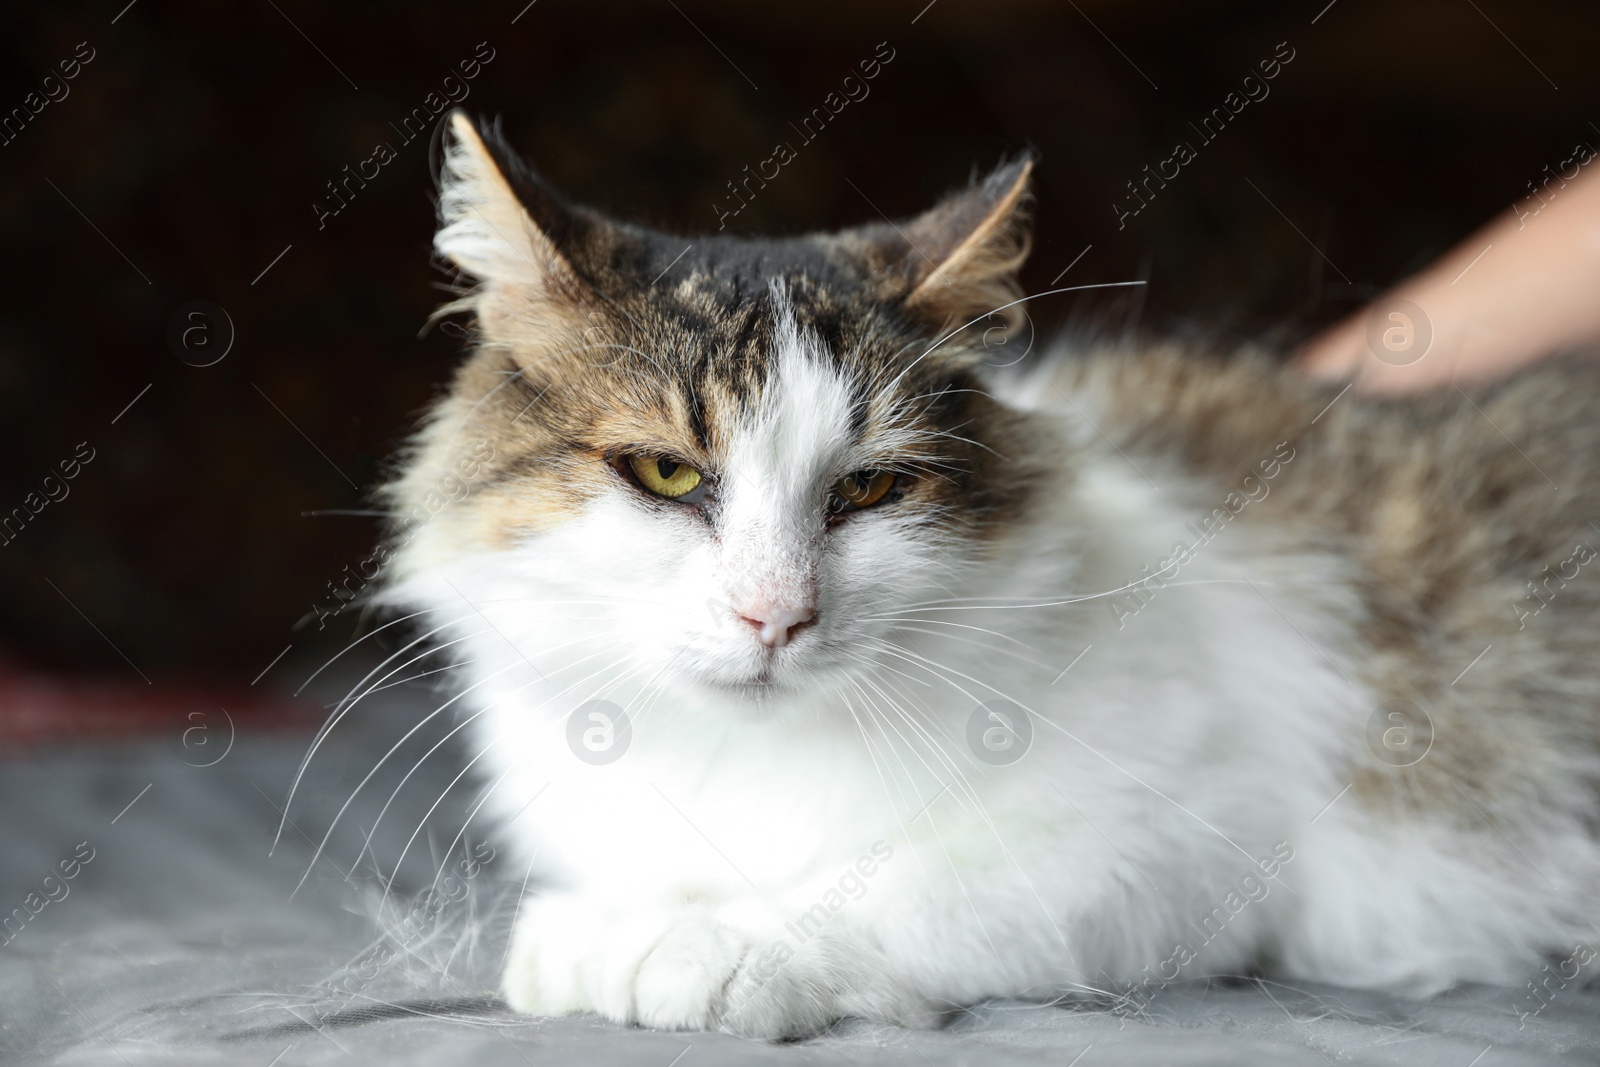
column 959, row 261
column 508, row 231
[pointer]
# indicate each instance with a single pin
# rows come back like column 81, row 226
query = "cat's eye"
column 667, row 477
column 861, row 490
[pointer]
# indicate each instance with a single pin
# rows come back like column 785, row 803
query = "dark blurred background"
column 184, row 159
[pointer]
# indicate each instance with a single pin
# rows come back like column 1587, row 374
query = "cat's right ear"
column 958, row 262
column 503, row 227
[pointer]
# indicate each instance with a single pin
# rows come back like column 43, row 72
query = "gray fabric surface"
column 179, row 943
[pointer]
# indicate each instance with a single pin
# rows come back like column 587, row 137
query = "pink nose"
column 777, row 625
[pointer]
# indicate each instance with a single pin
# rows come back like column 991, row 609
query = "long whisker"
column 323, row 844
column 364, row 637
column 976, row 644
column 988, row 821
column 914, row 749
column 482, row 798
column 928, row 664
column 1002, row 307
column 396, row 792
column 339, row 713
column 957, row 875
column 346, row 705
column 963, row 626
column 879, row 665
column 1078, row 599
column 871, row 748
column 434, row 807
column 957, row 774
column 425, row 674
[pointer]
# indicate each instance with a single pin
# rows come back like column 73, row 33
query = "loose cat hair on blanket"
column 818, row 668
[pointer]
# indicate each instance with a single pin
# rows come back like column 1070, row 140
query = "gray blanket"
column 181, row 941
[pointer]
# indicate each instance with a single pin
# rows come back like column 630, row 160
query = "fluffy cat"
column 818, row 668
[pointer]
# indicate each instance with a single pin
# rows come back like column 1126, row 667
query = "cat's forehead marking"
column 805, row 414
column 734, row 364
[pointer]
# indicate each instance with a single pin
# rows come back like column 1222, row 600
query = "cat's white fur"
column 1202, row 744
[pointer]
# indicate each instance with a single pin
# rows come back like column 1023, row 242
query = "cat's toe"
column 681, row 983
column 671, row 970
column 705, row 974
column 535, row 981
column 792, row 1002
column 570, row 954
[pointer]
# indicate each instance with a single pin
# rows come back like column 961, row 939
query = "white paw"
column 685, row 969
column 682, row 982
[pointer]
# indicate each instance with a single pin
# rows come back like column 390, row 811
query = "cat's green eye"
column 666, row 477
column 861, row 490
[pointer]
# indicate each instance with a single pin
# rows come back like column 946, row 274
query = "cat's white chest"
column 692, row 807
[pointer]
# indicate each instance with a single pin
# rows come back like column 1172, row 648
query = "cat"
column 818, row 665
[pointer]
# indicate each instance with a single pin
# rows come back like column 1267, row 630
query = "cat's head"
column 721, row 460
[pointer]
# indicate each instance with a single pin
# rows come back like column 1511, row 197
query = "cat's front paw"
column 701, row 975
column 683, row 969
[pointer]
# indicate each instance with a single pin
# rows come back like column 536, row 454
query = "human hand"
column 1525, row 286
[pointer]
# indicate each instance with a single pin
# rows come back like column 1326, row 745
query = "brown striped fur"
column 1446, row 505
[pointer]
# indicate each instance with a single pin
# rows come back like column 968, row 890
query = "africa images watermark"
column 1248, row 889
column 52, row 489
column 451, row 92
column 1554, row 181
column 1542, row 993
column 1581, row 555
column 450, row 489
column 53, row 889
column 852, row 89
column 419, row 921
column 1253, row 88
column 850, row 886
column 1252, row 489
column 52, row 90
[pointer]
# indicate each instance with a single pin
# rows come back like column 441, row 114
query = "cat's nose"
column 776, row 625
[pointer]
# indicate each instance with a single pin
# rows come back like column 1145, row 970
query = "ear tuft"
column 484, row 225
column 966, row 251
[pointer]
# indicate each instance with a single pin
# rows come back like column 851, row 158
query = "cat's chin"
column 761, row 678
column 764, row 691
column 803, row 697
column 761, row 687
